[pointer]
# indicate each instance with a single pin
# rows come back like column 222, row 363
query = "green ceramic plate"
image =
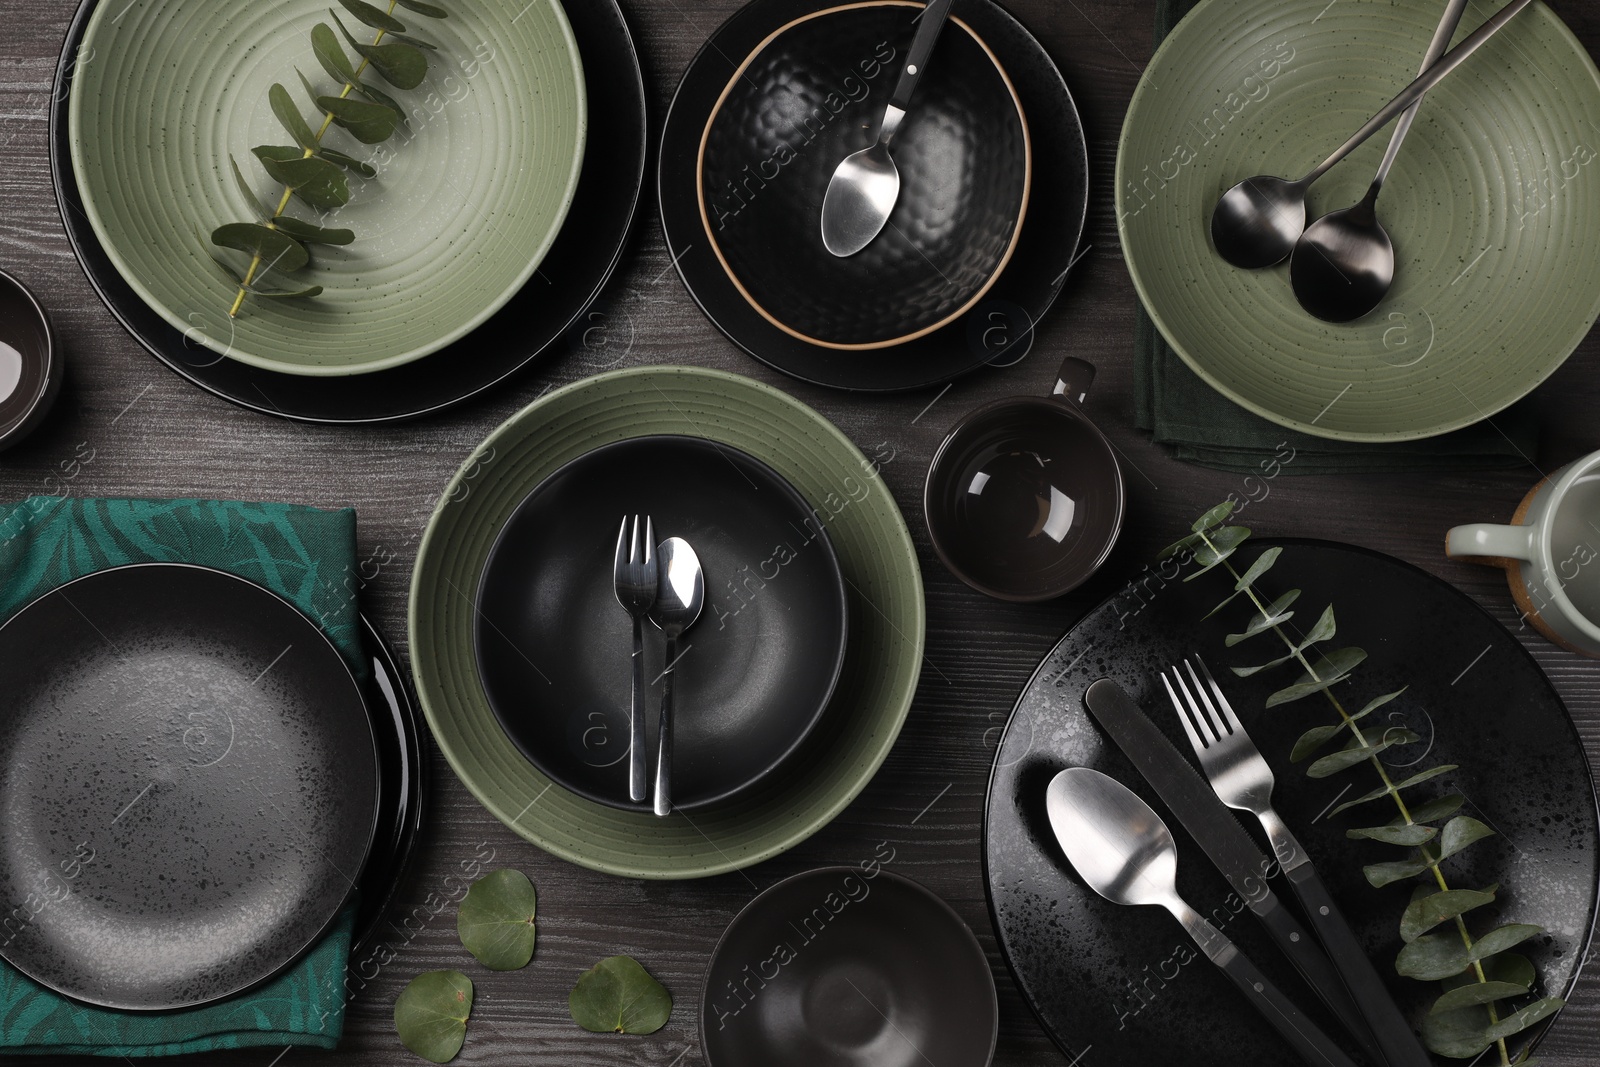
column 1494, row 206
column 457, row 220
column 875, row 554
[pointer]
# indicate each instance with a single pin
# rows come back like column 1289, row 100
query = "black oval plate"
column 1114, row 977
column 753, row 675
column 1000, row 328
column 553, row 301
column 189, row 781
column 850, row 966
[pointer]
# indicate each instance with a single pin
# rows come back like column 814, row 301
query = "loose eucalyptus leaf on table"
column 431, row 1014
column 495, row 920
column 618, row 996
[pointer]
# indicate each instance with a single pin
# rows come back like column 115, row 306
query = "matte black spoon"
column 1343, row 265
column 1258, row 221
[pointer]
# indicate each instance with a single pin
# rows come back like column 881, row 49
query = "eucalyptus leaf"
column 424, row 9
column 1385, row 790
column 1437, row 808
column 1432, row 957
column 275, row 248
column 1178, row 547
column 367, row 122
column 378, row 96
column 283, row 294
column 289, row 115
column 280, row 152
column 1215, row 516
column 400, row 65
column 1523, row 1018
column 1409, row 835
column 1324, row 628
column 349, row 163
column 1381, row 874
column 430, row 1014
column 618, row 996
column 244, row 187
column 414, row 42
column 1277, row 614
column 1458, row 833
column 1329, row 671
column 311, row 94
column 316, row 181
column 1346, row 758
column 495, row 920
column 331, row 55
column 375, row 17
column 310, row 234
column 1475, row 993
column 1431, row 909
column 1314, row 738
column 1224, row 543
column 1261, row 566
column 1466, row 1032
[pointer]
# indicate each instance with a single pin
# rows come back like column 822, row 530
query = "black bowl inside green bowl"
column 30, row 364
column 810, row 95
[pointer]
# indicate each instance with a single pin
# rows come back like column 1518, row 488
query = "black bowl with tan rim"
column 809, row 95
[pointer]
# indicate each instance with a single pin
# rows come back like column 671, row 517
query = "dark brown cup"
column 25, row 329
column 1025, row 497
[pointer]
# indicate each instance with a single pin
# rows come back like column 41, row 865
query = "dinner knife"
column 1218, row 833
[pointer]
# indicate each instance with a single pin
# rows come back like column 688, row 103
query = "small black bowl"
column 813, row 93
column 755, row 672
column 30, row 366
column 852, row 967
column 1025, row 497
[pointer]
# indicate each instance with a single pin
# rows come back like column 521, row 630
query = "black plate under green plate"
column 1000, row 328
column 850, row 967
column 551, row 305
column 189, row 784
column 752, row 677
column 1109, row 976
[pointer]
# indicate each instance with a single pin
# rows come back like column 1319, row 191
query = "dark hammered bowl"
column 809, row 96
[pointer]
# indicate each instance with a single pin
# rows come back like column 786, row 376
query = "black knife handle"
column 1395, row 1036
column 929, row 23
column 1314, row 1046
column 1318, row 971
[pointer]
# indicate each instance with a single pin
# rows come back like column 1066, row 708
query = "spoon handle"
column 930, row 23
column 663, row 800
column 638, row 776
column 1436, row 48
column 1315, row 1047
column 1420, row 88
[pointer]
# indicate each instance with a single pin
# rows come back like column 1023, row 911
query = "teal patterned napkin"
column 1202, row 426
column 306, row 556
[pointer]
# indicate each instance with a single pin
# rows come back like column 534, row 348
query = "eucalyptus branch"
column 310, row 171
column 1479, row 973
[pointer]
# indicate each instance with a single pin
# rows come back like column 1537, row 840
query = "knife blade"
column 1224, row 841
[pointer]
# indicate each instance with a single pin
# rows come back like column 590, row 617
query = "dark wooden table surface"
column 153, row 434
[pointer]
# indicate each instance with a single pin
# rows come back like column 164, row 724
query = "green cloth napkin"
column 1202, row 426
column 306, row 556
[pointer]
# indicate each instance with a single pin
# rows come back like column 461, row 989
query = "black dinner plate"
column 189, row 783
column 851, row 967
column 753, row 675
column 551, row 304
column 1109, row 976
column 402, row 788
column 1000, row 328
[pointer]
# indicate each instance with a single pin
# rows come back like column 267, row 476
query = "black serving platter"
column 188, row 761
column 553, row 301
column 1112, row 977
column 753, row 676
column 999, row 328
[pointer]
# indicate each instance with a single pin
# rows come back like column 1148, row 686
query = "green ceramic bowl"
column 1494, row 207
column 876, row 556
column 457, row 220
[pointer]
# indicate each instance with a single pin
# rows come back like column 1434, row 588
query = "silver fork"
column 635, row 575
column 1242, row 780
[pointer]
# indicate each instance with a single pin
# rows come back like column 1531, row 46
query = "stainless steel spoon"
column 680, row 597
column 1343, row 265
column 1258, row 221
column 1126, row 854
column 866, row 185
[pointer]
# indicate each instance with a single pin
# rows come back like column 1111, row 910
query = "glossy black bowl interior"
column 851, row 967
column 1025, row 498
column 30, row 367
column 756, row 671
column 188, row 781
column 811, row 96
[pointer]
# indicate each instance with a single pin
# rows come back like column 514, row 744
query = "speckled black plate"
column 189, row 786
column 551, row 305
column 999, row 328
column 1112, row 977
